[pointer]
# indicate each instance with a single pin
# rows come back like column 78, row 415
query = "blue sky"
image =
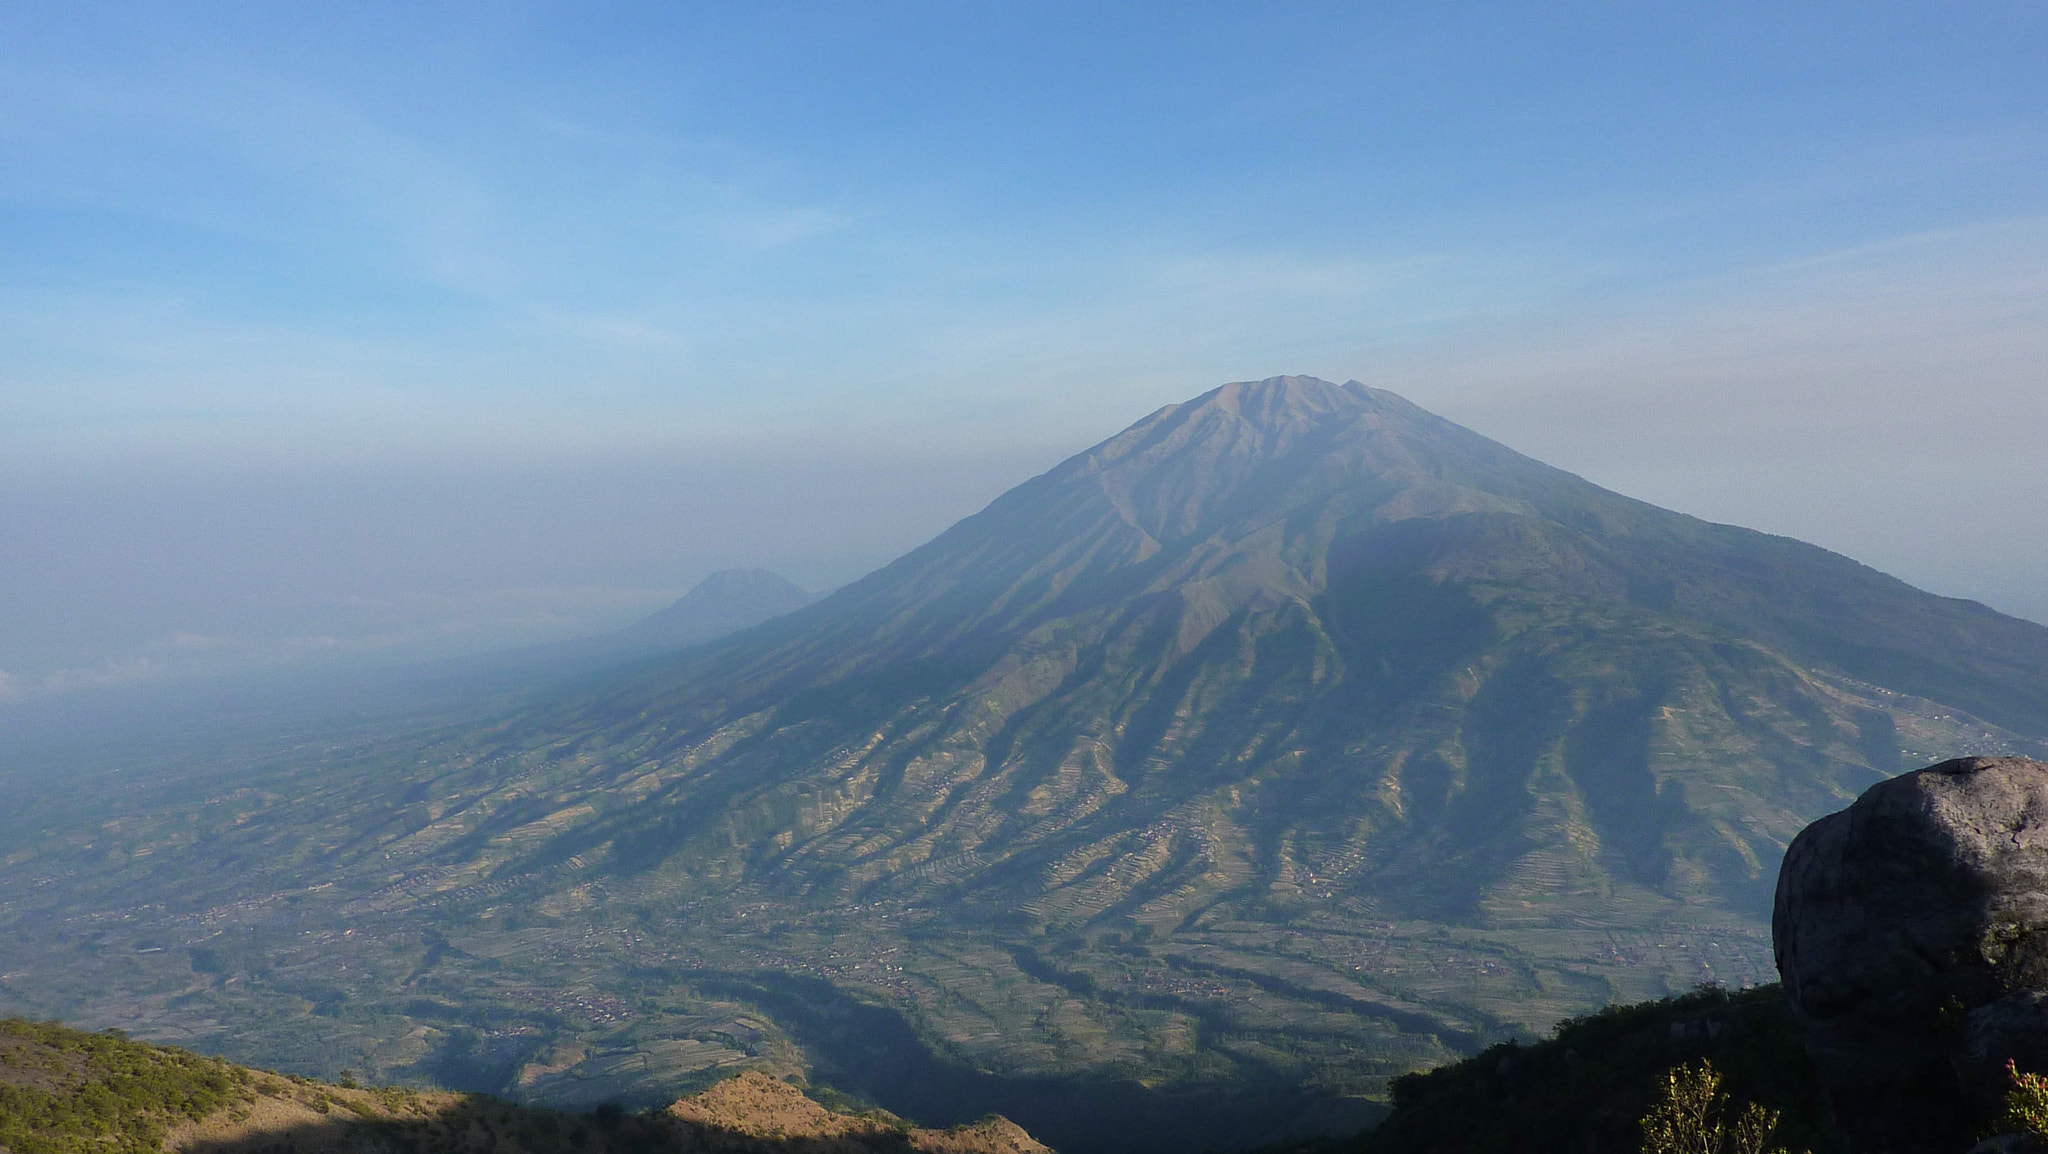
column 308, row 308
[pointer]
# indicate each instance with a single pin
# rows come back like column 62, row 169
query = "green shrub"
column 2025, row 1109
column 1692, row 1117
column 1590, row 1086
column 108, row 1095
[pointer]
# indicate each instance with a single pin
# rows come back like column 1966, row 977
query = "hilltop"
column 64, row 1091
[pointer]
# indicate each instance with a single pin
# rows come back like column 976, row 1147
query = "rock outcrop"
column 1911, row 930
column 745, row 1112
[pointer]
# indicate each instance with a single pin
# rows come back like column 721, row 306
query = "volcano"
column 1291, row 739
column 1297, row 638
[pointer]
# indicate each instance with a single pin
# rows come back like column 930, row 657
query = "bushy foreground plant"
column 1692, row 1117
column 2025, row 1109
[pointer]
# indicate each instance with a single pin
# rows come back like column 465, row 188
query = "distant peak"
column 726, row 601
column 726, row 581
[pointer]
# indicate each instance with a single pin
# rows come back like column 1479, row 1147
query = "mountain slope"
column 1290, row 739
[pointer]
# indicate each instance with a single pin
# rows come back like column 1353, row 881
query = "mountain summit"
column 1288, row 740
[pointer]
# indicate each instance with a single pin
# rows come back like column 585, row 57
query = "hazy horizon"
column 411, row 331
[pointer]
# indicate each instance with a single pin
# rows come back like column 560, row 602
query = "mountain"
column 725, row 602
column 1292, row 739
column 1297, row 631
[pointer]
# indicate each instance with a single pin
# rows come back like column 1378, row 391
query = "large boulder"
column 1911, row 931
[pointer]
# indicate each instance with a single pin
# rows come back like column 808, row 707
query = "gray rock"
column 2012, row 1029
column 1911, row 931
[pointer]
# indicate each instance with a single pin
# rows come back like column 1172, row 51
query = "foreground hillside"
column 68, row 1092
column 1588, row 1087
column 1290, row 740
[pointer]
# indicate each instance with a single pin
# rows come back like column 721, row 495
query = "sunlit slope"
column 68, row 1092
column 1293, row 631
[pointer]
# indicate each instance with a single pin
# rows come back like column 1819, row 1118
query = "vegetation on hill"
column 64, row 1091
column 68, row 1092
column 1591, row 1085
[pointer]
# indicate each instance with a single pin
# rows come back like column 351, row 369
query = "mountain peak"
column 1248, row 452
column 1281, row 398
column 727, row 583
column 1289, row 399
column 725, row 601
column 1276, row 404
